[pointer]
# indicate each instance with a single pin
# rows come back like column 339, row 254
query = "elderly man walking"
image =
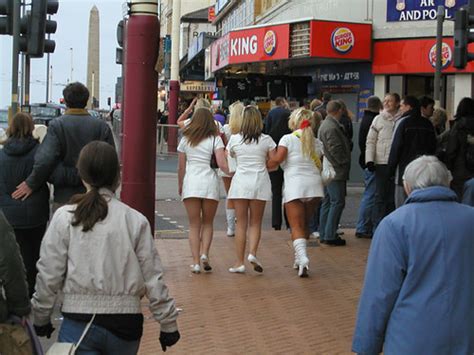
column 418, row 293
column 337, row 150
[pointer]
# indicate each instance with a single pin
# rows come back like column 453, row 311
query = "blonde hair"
column 252, row 124
column 314, row 103
column 202, row 126
column 307, row 134
column 235, row 116
column 202, row 103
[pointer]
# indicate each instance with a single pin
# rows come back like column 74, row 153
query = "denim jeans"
column 366, row 209
column 97, row 341
column 331, row 209
column 313, row 223
column 384, row 194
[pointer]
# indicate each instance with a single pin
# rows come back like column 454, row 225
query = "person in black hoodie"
column 29, row 217
column 414, row 136
column 460, row 148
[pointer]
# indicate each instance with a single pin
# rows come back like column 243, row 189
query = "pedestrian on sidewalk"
column 300, row 154
column 377, row 150
column 418, row 290
column 199, row 182
column 250, row 187
column 56, row 158
column 232, row 127
column 468, row 193
column 27, row 217
column 99, row 253
column 337, row 150
column 365, row 221
column 14, row 298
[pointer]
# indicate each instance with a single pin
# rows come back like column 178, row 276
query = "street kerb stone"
column 272, row 313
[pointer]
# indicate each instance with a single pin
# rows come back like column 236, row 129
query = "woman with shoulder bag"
column 99, row 253
column 300, row 154
column 199, row 182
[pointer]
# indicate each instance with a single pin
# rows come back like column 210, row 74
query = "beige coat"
column 379, row 139
column 106, row 270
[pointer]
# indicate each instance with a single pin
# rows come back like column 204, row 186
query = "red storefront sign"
column 343, row 40
column 260, row 44
column 414, row 56
column 220, row 53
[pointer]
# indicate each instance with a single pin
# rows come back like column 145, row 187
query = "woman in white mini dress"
column 250, row 187
column 199, row 183
column 232, row 127
column 300, row 156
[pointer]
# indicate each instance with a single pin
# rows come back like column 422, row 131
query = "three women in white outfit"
column 198, row 182
column 300, row 155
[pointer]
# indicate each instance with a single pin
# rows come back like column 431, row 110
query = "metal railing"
column 162, row 137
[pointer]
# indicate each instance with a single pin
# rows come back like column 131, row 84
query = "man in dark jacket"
column 338, row 152
column 322, row 109
column 57, row 156
column 14, row 298
column 365, row 221
column 414, row 136
column 277, row 113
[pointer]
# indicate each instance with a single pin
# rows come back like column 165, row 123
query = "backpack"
column 469, row 155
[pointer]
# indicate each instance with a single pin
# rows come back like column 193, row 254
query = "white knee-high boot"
column 230, row 214
column 301, row 258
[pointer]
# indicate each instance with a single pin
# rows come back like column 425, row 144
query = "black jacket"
column 57, row 156
column 456, row 152
column 364, row 128
column 16, row 163
column 414, row 136
column 274, row 116
column 12, row 275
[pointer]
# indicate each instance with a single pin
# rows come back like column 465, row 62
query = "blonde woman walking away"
column 300, row 156
column 250, row 187
column 199, row 182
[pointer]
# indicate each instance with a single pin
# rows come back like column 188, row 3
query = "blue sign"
column 420, row 10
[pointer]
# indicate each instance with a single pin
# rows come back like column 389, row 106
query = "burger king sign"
column 269, row 43
column 342, row 40
column 446, row 56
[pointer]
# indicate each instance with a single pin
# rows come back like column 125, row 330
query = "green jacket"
column 13, row 287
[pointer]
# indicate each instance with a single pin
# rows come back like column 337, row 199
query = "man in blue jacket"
column 418, row 293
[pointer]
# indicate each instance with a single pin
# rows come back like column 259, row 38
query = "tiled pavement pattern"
column 273, row 313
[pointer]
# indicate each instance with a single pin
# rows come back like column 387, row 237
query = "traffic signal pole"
column 139, row 109
column 15, row 56
column 439, row 59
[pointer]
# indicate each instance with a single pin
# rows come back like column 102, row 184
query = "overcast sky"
column 72, row 32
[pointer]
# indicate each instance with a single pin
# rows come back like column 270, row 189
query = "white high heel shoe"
column 205, row 263
column 256, row 264
column 301, row 259
column 237, row 270
column 196, row 268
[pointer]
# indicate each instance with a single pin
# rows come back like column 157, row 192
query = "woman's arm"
column 181, row 171
column 184, row 116
column 276, row 157
column 221, row 160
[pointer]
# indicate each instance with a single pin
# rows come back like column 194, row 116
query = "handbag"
column 213, row 156
column 69, row 348
column 328, row 174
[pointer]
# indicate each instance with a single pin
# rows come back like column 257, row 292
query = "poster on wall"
column 420, row 10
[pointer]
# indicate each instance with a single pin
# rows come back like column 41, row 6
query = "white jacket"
column 105, row 271
column 379, row 139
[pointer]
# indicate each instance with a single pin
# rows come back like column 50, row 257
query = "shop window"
column 420, row 85
column 395, row 84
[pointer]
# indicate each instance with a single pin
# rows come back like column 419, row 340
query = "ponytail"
column 307, row 143
column 91, row 208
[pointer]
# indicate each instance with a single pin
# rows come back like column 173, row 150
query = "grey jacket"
column 14, row 297
column 336, row 147
column 56, row 158
column 106, row 270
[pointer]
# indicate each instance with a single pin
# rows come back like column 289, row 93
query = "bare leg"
column 257, row 208
column 227, row 181
column 209, row 208
column 193, row 209
column 295, row 210
column 241, row 212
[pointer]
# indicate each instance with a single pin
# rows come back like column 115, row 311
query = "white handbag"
column 328, row 174
column 69, row 348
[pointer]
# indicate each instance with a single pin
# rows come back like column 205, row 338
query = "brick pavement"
column 273, row 313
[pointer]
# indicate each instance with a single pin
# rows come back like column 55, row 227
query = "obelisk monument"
column 93, row 58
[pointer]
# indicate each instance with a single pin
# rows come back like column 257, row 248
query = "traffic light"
column 463, row 23
column 35, row 26
column 119, row 49
column 6, row 20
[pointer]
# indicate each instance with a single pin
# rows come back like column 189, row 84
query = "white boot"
column 301, row 257
column 230, row 214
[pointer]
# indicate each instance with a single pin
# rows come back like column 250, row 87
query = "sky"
column 72, row 32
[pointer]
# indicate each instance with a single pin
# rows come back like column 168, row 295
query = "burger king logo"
column 342, row 40
column 269, row 43
column 446, row 56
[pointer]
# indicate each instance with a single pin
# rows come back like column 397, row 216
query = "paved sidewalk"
column 273, row 313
